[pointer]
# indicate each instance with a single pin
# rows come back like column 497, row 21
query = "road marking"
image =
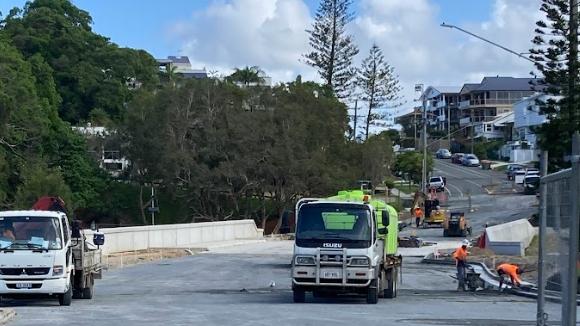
column 457, row 188
column 466, row 170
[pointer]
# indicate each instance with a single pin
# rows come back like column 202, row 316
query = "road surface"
column 232, row 287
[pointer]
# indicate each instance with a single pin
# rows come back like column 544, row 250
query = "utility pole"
column 355, row 117
column 448, row 124
column 472, row 131
column 152, row 205
column 573, row 63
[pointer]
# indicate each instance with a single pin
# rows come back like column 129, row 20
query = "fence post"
column 571, row 282
column 541, row 316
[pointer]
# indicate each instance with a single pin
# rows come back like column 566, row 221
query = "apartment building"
column 486, row 109
column 442, row 102
column 180, row 65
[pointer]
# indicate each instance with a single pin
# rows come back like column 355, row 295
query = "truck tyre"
column 88, row 291
column 445, row 233
column 299, row 295
column 65, row 299
column 391, row 290
column 373, row 292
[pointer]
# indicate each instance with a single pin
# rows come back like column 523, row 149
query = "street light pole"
column 419, row 88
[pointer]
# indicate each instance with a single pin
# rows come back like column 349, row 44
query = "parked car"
column 532, row 171
column 437, row 182
column 456, row 158
column 470, row 160
column 531, row 184
column 511, row 169
column 443, row 153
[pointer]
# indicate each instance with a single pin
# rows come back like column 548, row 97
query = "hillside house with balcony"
column 442, row 102
column 486, row 108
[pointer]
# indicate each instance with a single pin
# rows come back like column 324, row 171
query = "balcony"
column 440, row 104
column 441, row 118
column 464, row 121
column 486, row 102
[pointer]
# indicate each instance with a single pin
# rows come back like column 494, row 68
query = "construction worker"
column 460, row 256
column 511, row 270
column 418, row 215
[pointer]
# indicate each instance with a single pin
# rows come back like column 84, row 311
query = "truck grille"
column 24, row 271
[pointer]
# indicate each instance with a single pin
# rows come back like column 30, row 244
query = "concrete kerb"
column 6, row 315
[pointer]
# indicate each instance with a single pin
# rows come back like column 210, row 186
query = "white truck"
column 346, row 244
column 40, row 256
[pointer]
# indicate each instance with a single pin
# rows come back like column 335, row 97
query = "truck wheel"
column 391, row 290
column 383, row 283
column 88, row 292
column 373, row 292
column 299, row 296
column 445, row 233
column 65, row 299
column 77, row 294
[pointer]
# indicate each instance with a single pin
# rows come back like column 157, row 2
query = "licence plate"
column 331, row 274
column 23, row 285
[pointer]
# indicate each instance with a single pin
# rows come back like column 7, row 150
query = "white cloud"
column 236, row 33
column 271, row 34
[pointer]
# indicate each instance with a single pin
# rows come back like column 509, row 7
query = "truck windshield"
column 336, row 223
column 29, row 232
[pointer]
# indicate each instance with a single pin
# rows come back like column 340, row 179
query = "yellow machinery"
column 456, row 225
column 433, row 214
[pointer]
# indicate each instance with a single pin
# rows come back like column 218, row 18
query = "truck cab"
column 342, row 246
column 38, row 256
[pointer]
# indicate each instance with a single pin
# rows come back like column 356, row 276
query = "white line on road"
column 457, row 188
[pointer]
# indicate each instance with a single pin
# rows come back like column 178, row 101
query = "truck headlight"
column 305, row 260
column 57, row 270
column 359, row 261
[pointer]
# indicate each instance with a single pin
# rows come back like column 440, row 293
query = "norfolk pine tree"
column 332, row 48
column 378, row 84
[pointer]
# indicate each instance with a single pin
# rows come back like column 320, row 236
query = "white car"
column 443, row 153
column 471, row 160
column 438, row 183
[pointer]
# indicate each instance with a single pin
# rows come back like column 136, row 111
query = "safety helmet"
column 465, row 242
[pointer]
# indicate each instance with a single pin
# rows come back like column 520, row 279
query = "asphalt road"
column 463, row 181
column 466, row 193
column 232, row 287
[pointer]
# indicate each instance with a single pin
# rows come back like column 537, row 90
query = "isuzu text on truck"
column 40, row 256
column 345, row 244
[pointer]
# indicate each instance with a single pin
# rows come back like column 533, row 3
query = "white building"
column 109, row 159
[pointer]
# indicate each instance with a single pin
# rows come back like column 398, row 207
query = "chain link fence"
column 558, row 260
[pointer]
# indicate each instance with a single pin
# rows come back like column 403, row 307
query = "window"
column 65, row 228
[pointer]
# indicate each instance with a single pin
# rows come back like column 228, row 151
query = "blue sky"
column 143, row 24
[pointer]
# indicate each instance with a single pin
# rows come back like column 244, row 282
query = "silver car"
column 471, row 160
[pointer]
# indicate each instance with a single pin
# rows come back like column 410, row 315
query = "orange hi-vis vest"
column 511, row 270
column 460, row 255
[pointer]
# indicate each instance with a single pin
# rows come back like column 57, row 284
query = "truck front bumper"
column 37, row 286
column 315, row 276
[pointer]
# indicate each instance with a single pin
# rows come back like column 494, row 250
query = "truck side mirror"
column 99, row 239
column 383, row 231
column 385, row 218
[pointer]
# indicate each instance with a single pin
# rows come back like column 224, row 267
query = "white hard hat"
column 465, row 242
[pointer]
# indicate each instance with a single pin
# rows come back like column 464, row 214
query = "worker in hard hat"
column 511, row 270
column 418, row 215
column 460, row 256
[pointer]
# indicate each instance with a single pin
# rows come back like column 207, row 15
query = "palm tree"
column 247, row 75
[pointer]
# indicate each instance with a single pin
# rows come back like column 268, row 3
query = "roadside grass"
column 406, row 188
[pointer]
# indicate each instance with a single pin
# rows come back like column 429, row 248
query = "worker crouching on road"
column 513, row 271
column 460, row 256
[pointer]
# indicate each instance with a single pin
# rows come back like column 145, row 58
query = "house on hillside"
column 104, row 148
column 180, row 65
column 442, row 104
column 487, row 108
column 523, row 146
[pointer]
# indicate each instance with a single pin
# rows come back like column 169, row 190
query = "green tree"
column 379, row 84
column 247, row 75
column 39, row 180
column 557, row 63
column 332, row 48
column 410, row 165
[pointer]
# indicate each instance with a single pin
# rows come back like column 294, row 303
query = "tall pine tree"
column 378, row 83
column 332, row 48
column 557, row 61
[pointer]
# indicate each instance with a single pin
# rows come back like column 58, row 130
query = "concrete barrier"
column 510, row 238
column 177, row 235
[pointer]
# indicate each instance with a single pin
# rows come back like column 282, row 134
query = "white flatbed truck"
column 40, row 256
